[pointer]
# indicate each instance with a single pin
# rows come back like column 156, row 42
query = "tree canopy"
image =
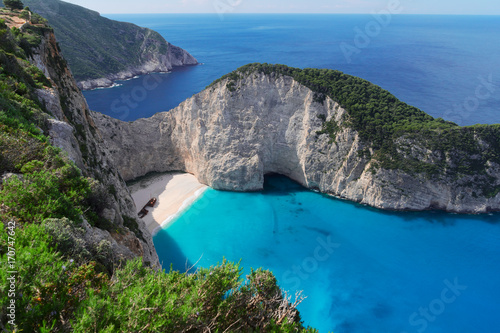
column 13, row 4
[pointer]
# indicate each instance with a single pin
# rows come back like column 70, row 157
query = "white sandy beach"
column 174, row 191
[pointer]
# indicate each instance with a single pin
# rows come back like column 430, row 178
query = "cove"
column 362, row 269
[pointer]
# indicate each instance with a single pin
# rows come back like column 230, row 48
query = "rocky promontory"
column 261, row 119
column 101, row 51
column 151, row 62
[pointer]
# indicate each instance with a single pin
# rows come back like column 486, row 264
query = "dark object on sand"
column 151, row 202
column 143, row 212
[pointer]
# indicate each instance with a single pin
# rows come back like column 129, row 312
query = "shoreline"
column 110, row 81
column 175, row 192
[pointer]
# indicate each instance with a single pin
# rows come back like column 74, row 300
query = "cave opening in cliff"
column 278, row 183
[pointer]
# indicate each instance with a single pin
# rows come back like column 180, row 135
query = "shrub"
column 37, row 19
column 132, row 225
column 25, row 14
column 49, row 287
column 17, row 149
column 68, row 239
column 46, row 194
column 214, row 299
column 102, row 252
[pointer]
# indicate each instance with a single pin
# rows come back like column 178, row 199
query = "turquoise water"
column 433, row 62
column 363, row 270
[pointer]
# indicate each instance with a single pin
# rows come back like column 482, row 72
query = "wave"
column 185, row 205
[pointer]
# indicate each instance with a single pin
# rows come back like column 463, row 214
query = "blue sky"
column 479, row 7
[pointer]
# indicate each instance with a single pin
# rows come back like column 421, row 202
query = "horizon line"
column 215, row 13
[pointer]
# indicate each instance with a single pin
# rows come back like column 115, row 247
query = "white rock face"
column 50, row 99
column 61, row 135
column 229, row 138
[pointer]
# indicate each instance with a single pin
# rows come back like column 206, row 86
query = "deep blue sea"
column 449, row 66
column 363, row 270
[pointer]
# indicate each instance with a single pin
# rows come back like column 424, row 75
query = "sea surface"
column 363, row 270
column 449, row 66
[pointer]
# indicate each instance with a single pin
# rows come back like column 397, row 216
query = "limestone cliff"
column 251, row 124
column 72, row 129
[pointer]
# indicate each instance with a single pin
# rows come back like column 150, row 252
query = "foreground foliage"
column 61, row 291
column 211, row 300
column 49, row 286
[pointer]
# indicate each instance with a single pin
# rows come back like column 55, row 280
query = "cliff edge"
column 41, row 108
column 265, row 119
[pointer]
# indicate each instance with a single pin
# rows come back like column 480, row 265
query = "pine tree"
column 13, row 4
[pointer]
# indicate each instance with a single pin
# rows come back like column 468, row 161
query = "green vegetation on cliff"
column 400, row 136
column 95, row 46
column 62, row 282
column 19, row 108
column 52, row 186
column 13, row 4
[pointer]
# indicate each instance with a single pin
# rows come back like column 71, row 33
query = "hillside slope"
column 100, row 51
column 323, row 129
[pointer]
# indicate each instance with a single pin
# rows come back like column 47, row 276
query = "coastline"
column 109, row 81
column 175, row 192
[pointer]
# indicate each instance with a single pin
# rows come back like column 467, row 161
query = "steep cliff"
column 57, row 107
column 259, row 120
column 100, row 51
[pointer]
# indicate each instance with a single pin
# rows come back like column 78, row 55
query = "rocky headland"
column 101, row 51
column 261, row 120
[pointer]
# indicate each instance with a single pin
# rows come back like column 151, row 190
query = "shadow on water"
column 431, row 216
column 320, row 231
column 170, row 253
column 279, row 185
